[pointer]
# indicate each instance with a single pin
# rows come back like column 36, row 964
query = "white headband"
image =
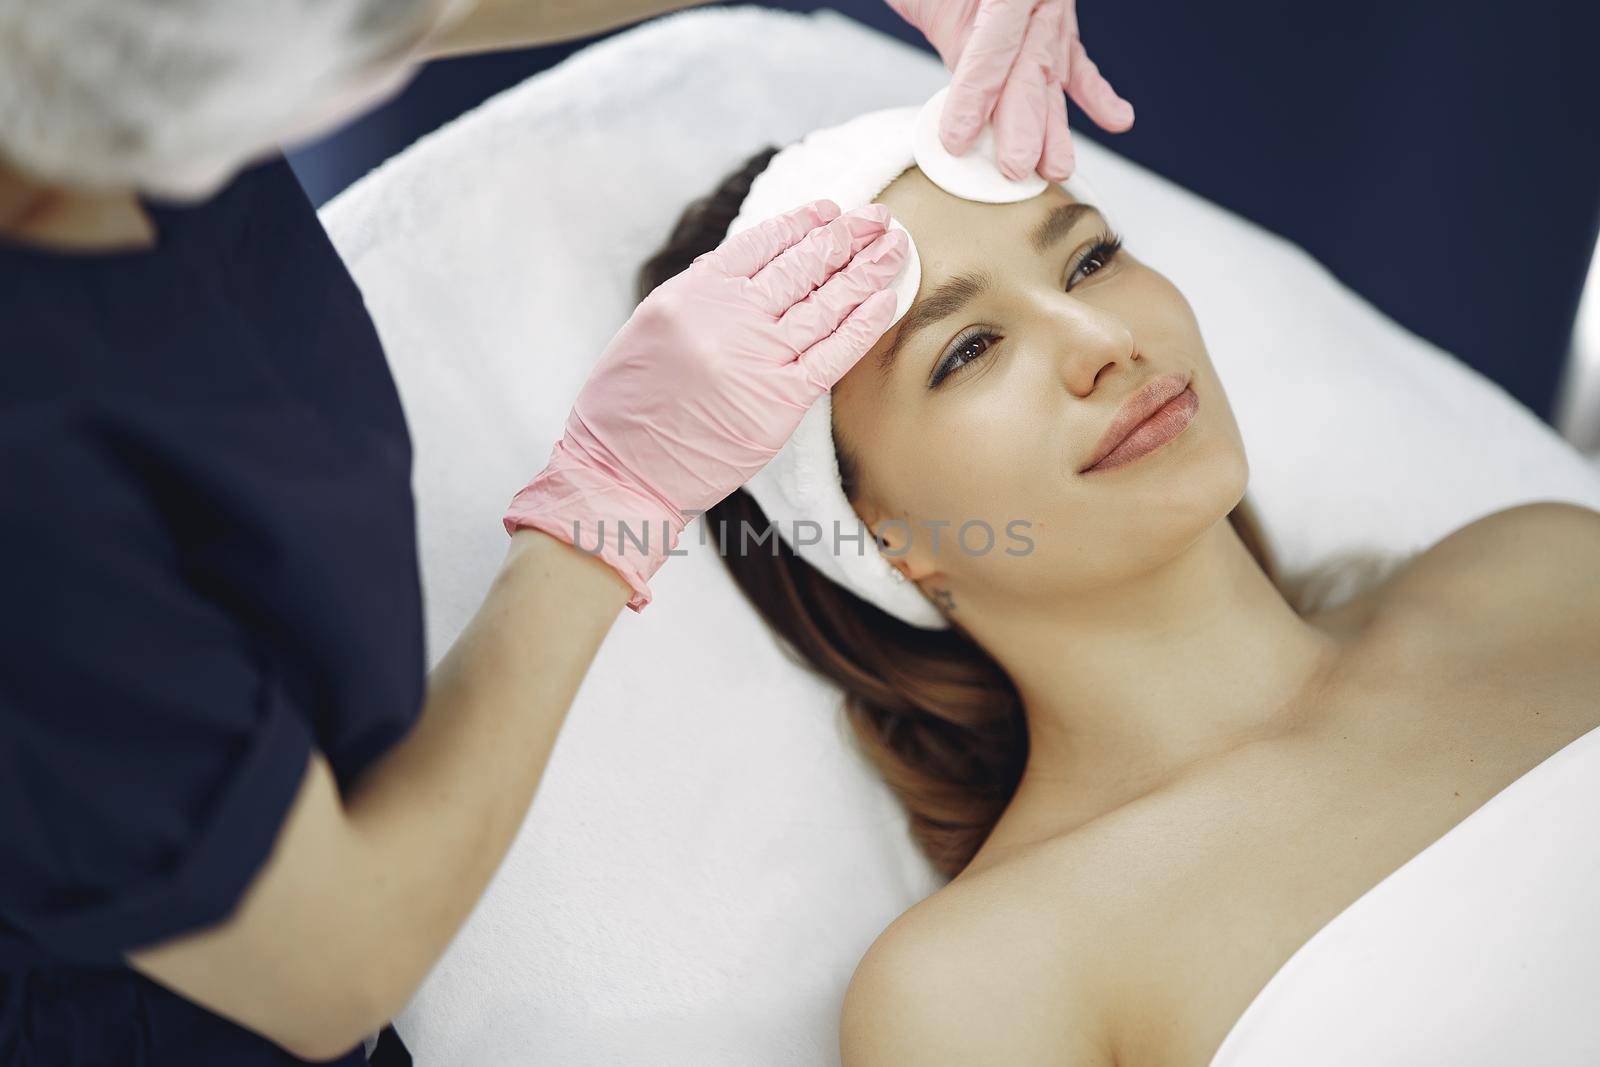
column 851, row 164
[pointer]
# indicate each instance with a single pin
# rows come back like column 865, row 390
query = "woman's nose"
column 1088, row 342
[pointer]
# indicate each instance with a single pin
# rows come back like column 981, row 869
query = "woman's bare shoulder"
column 982, row 971
column 1544, row 555
column 1523, row 575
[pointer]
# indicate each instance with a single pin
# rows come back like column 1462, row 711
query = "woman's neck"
column 1126, row 689
column 69, row 220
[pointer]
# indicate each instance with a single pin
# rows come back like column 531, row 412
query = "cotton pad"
column 974, row 176
column 909, row 279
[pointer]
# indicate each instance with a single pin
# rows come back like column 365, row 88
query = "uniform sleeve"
column 148, row 751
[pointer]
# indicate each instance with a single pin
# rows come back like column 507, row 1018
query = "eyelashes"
column 975, row 341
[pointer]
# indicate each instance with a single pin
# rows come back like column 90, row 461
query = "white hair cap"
column 851, row 164
column 171, row 97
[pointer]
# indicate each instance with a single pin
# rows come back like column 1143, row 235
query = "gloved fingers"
column 746, row 252
column 821, row 313
column 1062, row 69
column 981, row 72
column 1090, row 90
column 946, row 23
column 1019, row 121
column 811, row 261
column 824, row 363
column 1059, row 159
column 1024, row 105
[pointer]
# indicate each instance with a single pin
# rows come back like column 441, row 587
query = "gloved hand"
column 1011, row 59
column 708, row 380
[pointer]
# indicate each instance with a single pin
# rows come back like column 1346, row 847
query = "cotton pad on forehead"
column 909, row 280
column 974, row 176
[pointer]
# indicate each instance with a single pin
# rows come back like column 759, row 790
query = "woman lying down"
column 1153, row 768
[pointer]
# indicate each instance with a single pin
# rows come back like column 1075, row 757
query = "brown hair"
column 936, row 715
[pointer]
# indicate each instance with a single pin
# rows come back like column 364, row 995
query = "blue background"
column 1442, row 159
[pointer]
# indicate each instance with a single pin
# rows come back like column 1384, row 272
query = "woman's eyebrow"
column 953, row 295
column 1058, row 224
column 943, row 302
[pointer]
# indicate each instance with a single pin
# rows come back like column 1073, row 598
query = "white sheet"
column 706, row 858
column 1481, row 950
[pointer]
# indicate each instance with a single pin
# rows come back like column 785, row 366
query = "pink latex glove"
column 1011, row 59
column 708, row 380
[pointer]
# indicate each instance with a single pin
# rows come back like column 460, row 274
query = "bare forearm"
column 438, row 813
column 500, row 24
column 363, row 892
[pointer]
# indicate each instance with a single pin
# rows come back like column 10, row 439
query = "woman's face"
column 1031, row 338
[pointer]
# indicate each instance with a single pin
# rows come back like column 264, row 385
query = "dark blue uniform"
column 207, row 570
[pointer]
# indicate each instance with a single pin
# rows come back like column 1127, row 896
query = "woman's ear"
column 899, row 541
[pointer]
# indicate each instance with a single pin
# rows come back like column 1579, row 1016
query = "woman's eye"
column 972, row 347
column 1092, row 262
column 965, row 351
column 1097, row 259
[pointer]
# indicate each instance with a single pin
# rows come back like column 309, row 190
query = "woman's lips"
column 1167, row 422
